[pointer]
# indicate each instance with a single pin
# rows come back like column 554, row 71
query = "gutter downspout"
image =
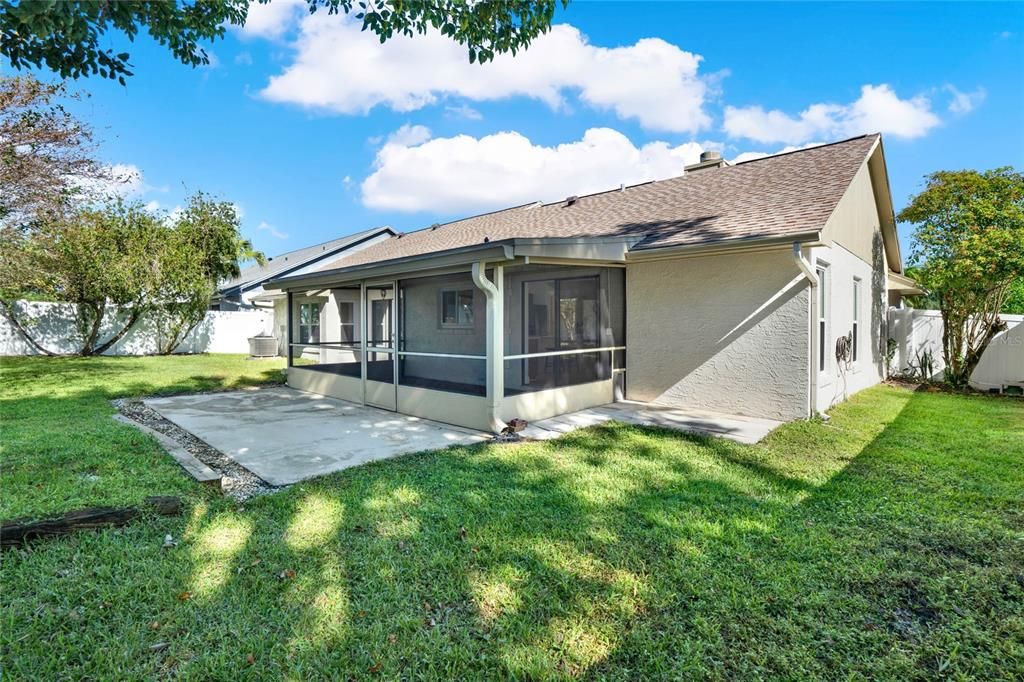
column 494, row 291
column 812, row 278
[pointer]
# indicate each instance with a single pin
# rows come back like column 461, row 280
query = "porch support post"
column 364, row 329
column 494, row 291
column 288, row 333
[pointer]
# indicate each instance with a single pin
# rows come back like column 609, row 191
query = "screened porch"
column 419, row 344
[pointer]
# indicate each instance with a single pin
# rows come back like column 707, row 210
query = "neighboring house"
column 241, row 292
column 724, row 289
column 249, row 290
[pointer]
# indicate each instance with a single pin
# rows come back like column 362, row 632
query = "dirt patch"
column 237, row 482
column 915, row 614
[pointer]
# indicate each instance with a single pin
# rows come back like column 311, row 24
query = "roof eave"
column 490, row 251
column 807, row 238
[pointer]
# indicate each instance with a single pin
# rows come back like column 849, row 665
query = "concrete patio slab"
column 284, row 436
column 734, row 427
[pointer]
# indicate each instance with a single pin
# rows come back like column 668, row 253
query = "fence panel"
column 917, row 331
column 53, row 325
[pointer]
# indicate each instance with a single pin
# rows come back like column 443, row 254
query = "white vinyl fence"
column 917, row 331
column 53, row 325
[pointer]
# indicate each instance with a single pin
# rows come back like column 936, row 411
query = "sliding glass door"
column 561, row 315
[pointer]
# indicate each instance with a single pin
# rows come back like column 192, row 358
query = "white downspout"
column 812, row 278
column 494, row 291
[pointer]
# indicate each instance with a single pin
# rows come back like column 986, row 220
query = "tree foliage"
column 1015, row 298
column 46, row 154
column 203, row 247
column 969, row 253
column 69, row 37
column 119, row 263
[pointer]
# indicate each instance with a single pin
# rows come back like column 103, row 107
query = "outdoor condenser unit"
column 262, row 346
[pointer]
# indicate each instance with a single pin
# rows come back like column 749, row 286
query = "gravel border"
column 237, row 482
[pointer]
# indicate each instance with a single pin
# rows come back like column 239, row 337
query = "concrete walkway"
column 284, row 436
column 734, row 427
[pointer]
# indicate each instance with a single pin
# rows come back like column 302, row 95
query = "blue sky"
column 317, row 131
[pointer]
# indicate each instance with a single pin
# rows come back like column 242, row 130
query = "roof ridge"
column 807, row 149
column 434, row 226
column 348, row 236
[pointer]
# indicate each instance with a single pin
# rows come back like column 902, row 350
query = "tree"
column 203, row 247
column 46, row 154
column 68, row 36
column 119, row 263
column 1015, row 298
column 96, row 258
column 969, row 252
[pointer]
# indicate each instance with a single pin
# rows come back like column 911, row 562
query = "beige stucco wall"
column 854, row 223
column 728, row 333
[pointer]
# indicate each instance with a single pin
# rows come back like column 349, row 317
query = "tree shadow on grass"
column 618, row 552
column 561, row 558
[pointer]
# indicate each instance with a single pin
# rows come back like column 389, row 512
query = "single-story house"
column 729, row 288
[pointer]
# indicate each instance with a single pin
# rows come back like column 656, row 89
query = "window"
column 856, row 318
column 309, row 323
column 822, row 315
column 456, row 308
column 346, row 316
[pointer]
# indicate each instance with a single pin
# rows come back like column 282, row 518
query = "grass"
column 887, row 543
column 59, row 447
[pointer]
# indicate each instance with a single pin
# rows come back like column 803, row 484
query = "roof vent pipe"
column 708, row 159
column 569, row 201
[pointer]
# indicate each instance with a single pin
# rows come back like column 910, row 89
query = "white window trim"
column 858, row 297
column 310, row 324
column 821, row 270
column 352, row 324
column 461, row 324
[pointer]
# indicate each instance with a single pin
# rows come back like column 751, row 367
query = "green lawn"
column 888, row 543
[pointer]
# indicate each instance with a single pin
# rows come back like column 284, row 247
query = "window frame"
column 855, row 327
column 314, row 322
column 821, row 270
column 460, row 322
column 350, row 325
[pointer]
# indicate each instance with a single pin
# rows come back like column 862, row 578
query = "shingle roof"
column 778, row 195
column 276, row 265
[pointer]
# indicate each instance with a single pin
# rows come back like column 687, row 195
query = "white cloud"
column 118, row 180
column 126, row 179
column 961, row 103
column 464, row 173
column 212, row 61
column 243, row 58
column 878, row 109
column 409, row 135
column 463, row 111
column 264, row 226
column 152, row 206
column 339, row 68
column 272, row 19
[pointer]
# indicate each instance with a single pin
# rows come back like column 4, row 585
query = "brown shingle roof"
column 774, row 196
